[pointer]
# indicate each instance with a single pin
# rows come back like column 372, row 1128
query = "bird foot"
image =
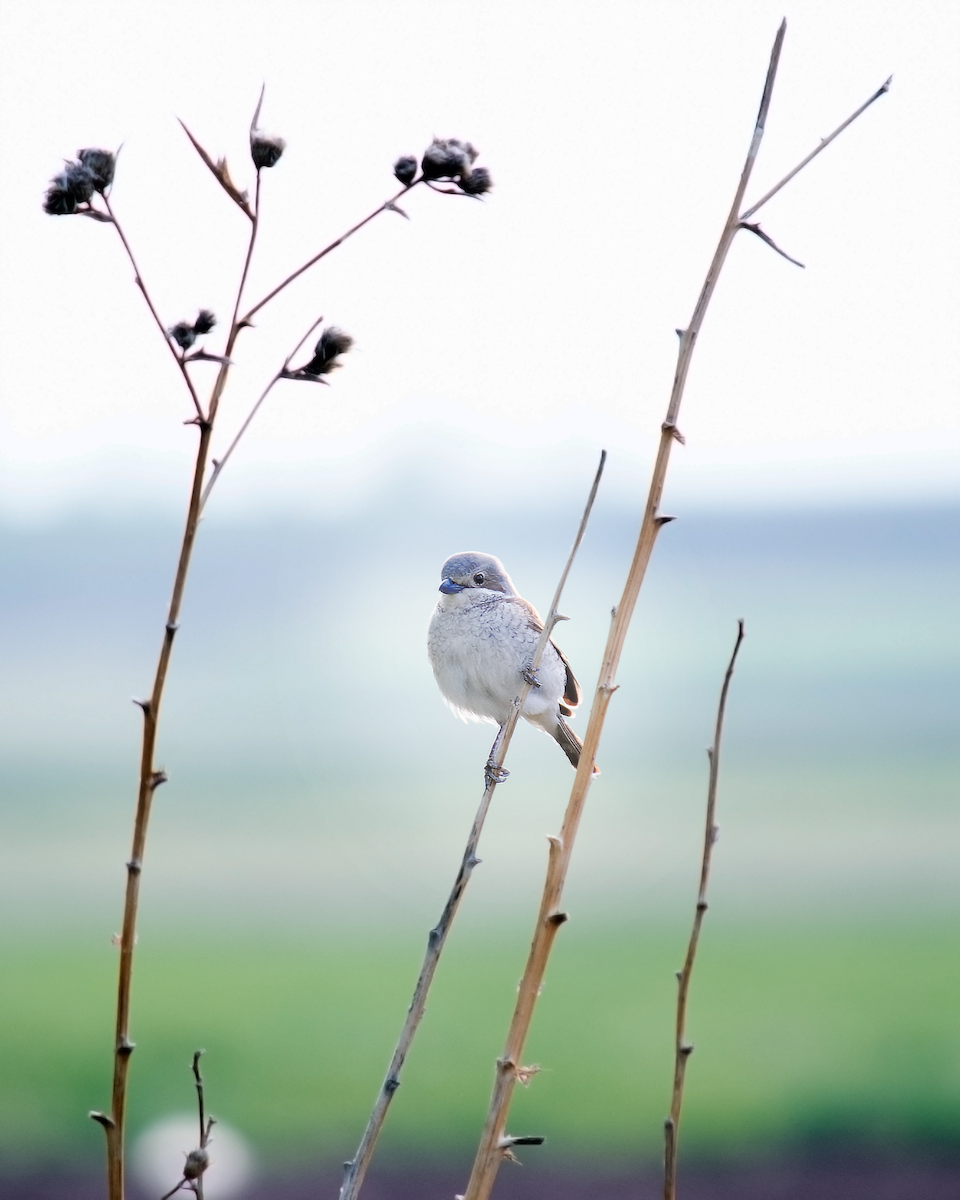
column 530, row 676
column 494, row 774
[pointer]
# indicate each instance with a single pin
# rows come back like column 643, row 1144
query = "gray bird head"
column 471, row 569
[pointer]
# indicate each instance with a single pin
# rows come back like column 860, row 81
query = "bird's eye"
column 479, row 578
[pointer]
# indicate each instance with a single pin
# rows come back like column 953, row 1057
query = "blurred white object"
column 159, row 1153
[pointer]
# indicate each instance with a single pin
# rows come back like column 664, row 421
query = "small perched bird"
column 481, row 642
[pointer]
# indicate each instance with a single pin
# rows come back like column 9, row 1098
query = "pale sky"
column 541, row 319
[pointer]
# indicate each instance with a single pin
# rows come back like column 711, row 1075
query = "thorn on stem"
column 669, row 427
column 664, row 520
column 102, row 1119
column 765, row 237
column 134, row 866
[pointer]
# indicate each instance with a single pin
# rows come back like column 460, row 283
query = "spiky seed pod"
column 74, row 186
column 204, row 323
column 477, row 182
column 57, row 201
column 101, row 164
column 405, row 169
column 446, row 158
column 183, row 334
column 333, row 342
column 265, row 150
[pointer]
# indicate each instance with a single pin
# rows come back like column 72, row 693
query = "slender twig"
column 508, row 1069
column 150, row 776
column 249, row 254
column 197, row 1160
column 682, row 1048
column 881, row 91
column 355, row 1169
column 220, row 463
column 138, row 279
column 386, row 206
column 198, row 1084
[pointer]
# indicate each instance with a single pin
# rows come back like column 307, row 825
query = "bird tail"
column 570, row 744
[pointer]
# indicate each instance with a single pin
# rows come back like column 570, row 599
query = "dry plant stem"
column 220, row 463
column 386, row 206
column 682, row 1049
column 550, row 918
column 138, row 279
column 150, row 776
column 356, row 1168
column 881, row 91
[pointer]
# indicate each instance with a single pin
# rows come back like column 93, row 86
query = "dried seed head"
column 333, row 342
column 183, row 334
column 477, row 182
column 204, row 323
column 74, row 186
column 101, row 164
column 197, row 1162
column 405, row 169
column 447, row 158
column 265, row 149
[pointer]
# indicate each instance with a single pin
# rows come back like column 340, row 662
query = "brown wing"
column 571, row 691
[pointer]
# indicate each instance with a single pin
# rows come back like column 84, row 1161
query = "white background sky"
column 541, row 319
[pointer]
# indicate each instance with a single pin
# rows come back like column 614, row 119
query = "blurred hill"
column 312, row 762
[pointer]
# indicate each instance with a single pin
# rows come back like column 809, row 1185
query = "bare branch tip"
column 256, row 111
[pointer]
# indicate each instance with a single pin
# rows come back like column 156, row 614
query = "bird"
column 480, row 643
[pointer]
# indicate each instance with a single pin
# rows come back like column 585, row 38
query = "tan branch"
column 150, row 776
column 490, row 1152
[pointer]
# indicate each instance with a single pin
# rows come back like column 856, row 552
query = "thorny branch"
column 683, row 1049
column 490, row 1152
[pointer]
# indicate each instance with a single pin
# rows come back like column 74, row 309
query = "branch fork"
column 488, row 1154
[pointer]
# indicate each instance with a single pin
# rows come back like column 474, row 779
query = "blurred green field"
column 801, row 1034
column 310, row 829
